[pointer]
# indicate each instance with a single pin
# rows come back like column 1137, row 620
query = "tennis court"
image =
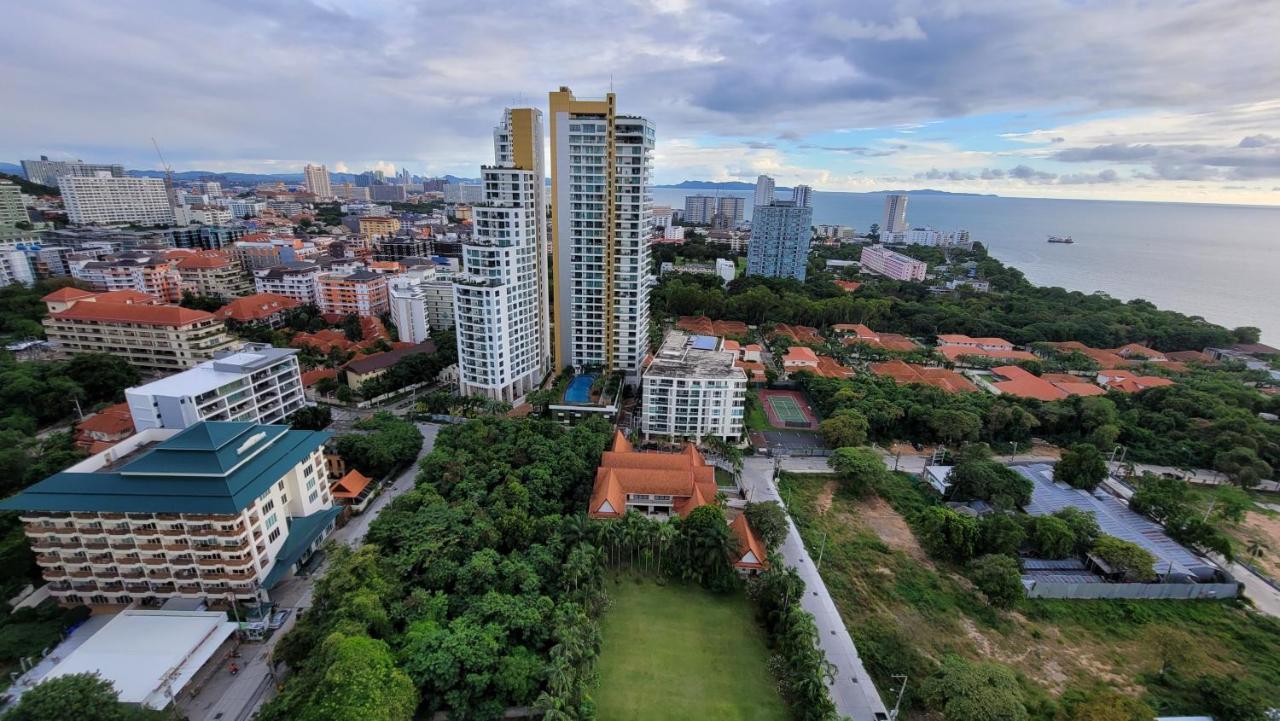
column 787, row 409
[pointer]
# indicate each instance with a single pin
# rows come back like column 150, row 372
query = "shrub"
column 998, row 577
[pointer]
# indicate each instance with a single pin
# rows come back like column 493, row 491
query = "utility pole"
column 902, row 688
column 821, row 549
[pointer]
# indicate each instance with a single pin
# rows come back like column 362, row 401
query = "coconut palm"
column 666, row 535
column 1256, row 548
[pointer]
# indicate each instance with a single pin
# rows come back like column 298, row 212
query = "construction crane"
column 168, row 175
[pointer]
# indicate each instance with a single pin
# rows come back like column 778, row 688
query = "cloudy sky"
column 1159, row 100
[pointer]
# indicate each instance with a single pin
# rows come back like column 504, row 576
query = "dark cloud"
column 1256, row 156
column 1260, row 140
column 1024, row 173
column 760, row 145
column 861, row 150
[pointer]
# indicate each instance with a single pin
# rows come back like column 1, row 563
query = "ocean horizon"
column 1215, row 261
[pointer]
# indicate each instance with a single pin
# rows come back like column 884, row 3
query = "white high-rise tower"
column 317, row 180
column 764, row 190
column 601, row 221
column 500, row 298
column 895, row 214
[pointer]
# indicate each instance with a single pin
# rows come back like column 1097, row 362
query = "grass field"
column 906, row 611
column 756, row 419
column 680, row 652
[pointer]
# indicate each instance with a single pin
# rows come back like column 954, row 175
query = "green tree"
column 311, row 418
column 1081, row 466
column 1159, row 498
column 947, row 534
column 953, row 426
column 998, row 577
column 1051, row 537
column 1084, row 527
column 1102, row 705
column 1243, row 466
column 769, row 521
column 708, row 547
column 359, row 682
column 103, row 377
column 205, row 303
column 975, row 691
column 1127, row 559
column 860, row 469
column 844, row 429
column 81, row 696
column 1228, row 698
column 1001, row 533
column 1003, row 487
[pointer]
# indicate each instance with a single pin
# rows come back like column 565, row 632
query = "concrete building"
column 388, row 193
column 153, row 275
column 724, row 268
column 215, row 511
column 421, row 301
column 802, row 196
column 298, row 280
column 204, row 214
column 347, row 191
column 362, row 292
column 153, row 337
column 15, row 265
column 245, row 207
column 266, row 309
column 895, row 214
column 693, row 389
column 601, row 223
column 879, row 259
column 663, row 216
column 256, row 384
column 47, row 172
column 730, row 211
column 781, row 233
column 500, row 299
column 12, row 210
column 463, row 192
column 764, row 190
column 376, row 226
column 258, row 251
column 316, row 178
column 213, row 273
column 105, row 199
column 699, row 209
column 673, row 232
column 401, row 246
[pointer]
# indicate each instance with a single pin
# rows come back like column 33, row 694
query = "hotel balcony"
column 52, row 573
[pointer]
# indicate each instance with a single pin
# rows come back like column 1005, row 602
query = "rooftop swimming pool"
column 579, row 390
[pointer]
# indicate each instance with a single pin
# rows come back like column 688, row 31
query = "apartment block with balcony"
column 218, row 511
column 213, row 273
column 879, row 259
column 164, row 338
column 257, row 384
column 297, row 279
column 362, row 292
column 692, row 389
column 148, row 273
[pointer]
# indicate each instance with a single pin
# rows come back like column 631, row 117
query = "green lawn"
column 680, row 652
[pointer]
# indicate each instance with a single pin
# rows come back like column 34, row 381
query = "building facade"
column 601, row 223
column 12, row 210
column 210, row 512
column 47, row 172
column 693, row 389
column 881, row 260
column 499, row 300
column 153, row 275
column 730, row 211
column 895, row 214
column 802, row 196
column 764, row 190
column 362, row 292
column 316, row 178
column 699, row 209
column 153, row 337
column 781, row 233
column 257, row 384
column 213, row 273
column 105, row 199
column 298, row 280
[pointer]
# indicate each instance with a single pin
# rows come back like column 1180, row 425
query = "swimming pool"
column 579, row 390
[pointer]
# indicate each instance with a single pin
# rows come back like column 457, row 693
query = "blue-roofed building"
column 215, row 511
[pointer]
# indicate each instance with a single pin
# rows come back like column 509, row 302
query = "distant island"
column 741, row 186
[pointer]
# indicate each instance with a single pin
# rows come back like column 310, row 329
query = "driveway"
column 852, row 690
column 236, row 698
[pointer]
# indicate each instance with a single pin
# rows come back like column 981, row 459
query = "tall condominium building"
column 730, row 210
column 895, row 214
column 104, row 199
column 764, row 190
column 421, row 302
column 463, row 193
column 259, row 251
column 802, row 196
column 693, row 389
column 699, row 209
column 316, row 178
column 214, row 511
column 601, row 220
column 361, row 292
column 12, row 210
column 881, row 260
column 258, row 384
column 213, row 273
column 16, row 265
column 153, row 337
column 780, row 236
column 47, row 172
column 500, row 299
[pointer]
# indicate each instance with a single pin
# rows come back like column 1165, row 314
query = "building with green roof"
column 218, row 510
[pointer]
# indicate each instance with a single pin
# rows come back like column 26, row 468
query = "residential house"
column 906, row 373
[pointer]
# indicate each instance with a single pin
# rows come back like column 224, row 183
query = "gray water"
column 1220, row 262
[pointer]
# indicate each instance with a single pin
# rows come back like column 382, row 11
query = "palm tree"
column 1256, row 548
column 553, row 708
column 666, row 534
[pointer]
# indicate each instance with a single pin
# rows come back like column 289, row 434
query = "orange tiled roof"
column 954, row 352
column 685, row 476
column 1130, row 382
column 702, row 325
column 166, row 315
column 258, row 306
column 110, row 421
column 857, row 329
column 831, row 368
column 751, row 553
column 848, row 286
column 1018, row 382
column 132, row 297
column 313, row 377
column 798, row 333
column 905, row 373
column 62, row 295
column 349, row 486
column 958, row 338
column 1131, row 350
column 204, row 259
column 799, row 354
column 323, row 340
column 1104, row 358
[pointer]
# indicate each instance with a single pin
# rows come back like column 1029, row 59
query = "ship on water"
column 1056, row 239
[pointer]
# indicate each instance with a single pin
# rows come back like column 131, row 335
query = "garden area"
column 912, row 611
column 680, row 652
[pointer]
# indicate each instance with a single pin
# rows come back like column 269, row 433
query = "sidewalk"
column 852, row 689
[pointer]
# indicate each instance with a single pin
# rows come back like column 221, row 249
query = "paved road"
column 852, row 690
column 235, row 698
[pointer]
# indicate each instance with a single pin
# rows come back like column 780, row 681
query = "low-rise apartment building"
column 216, row 511
column 152, row 337
column 692, row 389
column 256, row 384
column 298, row 280
column 378, row 226
column 213, row 273
column 144, row 272
column 879, row 259
column 269, row 309
column 362, row 292
column 260, row 251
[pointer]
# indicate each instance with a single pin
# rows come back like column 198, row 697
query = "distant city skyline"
column 1016, row 99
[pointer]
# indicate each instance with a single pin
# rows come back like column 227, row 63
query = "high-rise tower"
column 317, row 180
column 500, row 298
column 895, row 214
column 601, row 221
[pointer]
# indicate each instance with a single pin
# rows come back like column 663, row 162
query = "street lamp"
column 902, row 688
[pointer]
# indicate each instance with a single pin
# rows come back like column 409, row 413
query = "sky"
column 1154, row 100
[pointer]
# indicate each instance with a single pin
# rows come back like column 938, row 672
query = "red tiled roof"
column 799, row 354
column 751, row 553
column 831, row 368
column 132, row 297
column 1018, row 382
column 905, row 373
column 954, row 352
column 349, row 486
column 848, row 286
column 62, row 295
column 258, row 306
column 1130, row 382
column 1189, row 356
column 379, row 361
column 1131, row 350
column 702, row 325
column 110, row 421
column 167, row 315
column 798, row 333
column 313, row 377
column 204, row 259
column 685, row 476
column 957, row 338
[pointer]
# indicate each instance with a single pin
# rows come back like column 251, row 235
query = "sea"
column 1220, row 262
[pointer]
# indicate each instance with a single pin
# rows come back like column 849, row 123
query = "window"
column 271, row 537
column 271, row 521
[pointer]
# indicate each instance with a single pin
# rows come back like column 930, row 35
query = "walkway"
column 852, row 690
column 236, row 698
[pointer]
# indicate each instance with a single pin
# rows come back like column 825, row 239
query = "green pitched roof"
column 303, row 531
column 207, row 468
